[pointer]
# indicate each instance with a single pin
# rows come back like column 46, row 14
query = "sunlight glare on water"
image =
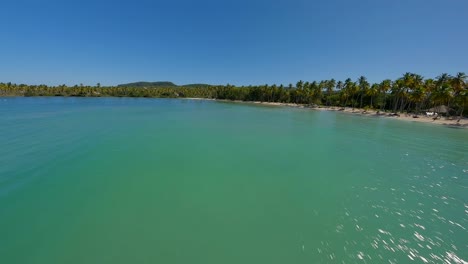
column 120, row 180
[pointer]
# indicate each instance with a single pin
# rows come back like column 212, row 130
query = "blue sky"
column 238, row 42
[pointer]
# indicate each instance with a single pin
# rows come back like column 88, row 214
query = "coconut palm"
column 351, row 89
column 339, row 86
column 329, row 85
column 417, row 97
column 363, row 86
column 443, row 93
column 460, row 93
column 384, row 87
column 443, row 78
column 372, row 92
column 411, row 92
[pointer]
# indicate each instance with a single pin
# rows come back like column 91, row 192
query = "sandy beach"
column 452, row 121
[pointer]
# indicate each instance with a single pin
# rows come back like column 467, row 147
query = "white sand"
column 453, row 121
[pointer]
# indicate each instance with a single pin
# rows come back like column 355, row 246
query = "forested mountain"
column 197, row 85
column 148, row 84
column 410, row 93
column 160, row 84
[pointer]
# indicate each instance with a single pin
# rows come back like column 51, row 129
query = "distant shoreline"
column 453, row 122
column 463, row 123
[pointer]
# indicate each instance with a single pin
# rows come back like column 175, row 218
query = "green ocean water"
column 121, row 180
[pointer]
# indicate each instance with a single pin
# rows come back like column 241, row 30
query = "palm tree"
column 429, row 87
column 384, row 87
column 459, row 86
column 351, row 88
column 339, row 86
column 458, row 82
column 417, row 97
column 363, row 87
column 443, row 78
column 444, row 92
column 416, row 91
column 373, row 91
column 329, row 87
column 400, row 90
column 300, row 85
column 463, row 98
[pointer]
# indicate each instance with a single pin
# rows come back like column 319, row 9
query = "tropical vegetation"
column 411, row 93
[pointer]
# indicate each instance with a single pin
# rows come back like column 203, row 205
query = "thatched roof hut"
column 441, row 109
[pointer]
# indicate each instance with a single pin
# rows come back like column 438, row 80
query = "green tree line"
column 410, row 93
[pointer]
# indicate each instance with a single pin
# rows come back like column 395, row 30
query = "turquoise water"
column 121, row 180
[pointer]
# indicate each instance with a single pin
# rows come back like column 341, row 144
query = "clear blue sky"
column 239, row 42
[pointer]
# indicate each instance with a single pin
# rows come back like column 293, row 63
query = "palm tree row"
column 410, row 93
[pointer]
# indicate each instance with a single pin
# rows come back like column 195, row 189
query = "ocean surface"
column 122, row 180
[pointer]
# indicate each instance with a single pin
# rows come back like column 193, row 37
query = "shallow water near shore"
column 123, row 180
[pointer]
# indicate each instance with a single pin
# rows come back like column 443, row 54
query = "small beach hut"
column 441, row 109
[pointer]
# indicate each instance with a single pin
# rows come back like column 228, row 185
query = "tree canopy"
column 410, row 93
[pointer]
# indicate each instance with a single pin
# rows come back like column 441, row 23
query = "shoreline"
column 453, row 122
column 463, row 123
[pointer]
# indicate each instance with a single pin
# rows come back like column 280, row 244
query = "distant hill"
column 161, row 84
column 148, row 84
column 196, row 85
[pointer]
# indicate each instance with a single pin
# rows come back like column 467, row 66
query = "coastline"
column 453, row 122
